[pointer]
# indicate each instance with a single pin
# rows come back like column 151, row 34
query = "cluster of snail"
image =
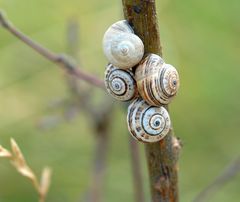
column 147, row 81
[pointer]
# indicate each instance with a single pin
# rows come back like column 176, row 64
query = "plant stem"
column 136, row 170
column 162, row 157
column 101, row 120
column 60, row 59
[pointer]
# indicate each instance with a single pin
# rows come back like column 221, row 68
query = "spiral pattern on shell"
column 147, row 123
column 121, row 46
column 157, row 81
column 120, row 83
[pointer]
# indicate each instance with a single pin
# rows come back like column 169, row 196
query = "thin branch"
column 101, row 123
column 59, row 59
column 102, row 130
column 101, row 119
column 136, row 170
column 228, row 174
column 135, row 158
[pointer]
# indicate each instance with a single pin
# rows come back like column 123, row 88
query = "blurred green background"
column 200, row 38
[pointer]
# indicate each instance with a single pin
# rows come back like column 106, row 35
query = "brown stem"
column 162, row 156
column 99, row 170
column 101, row 124
column 136, row 167
column 101, row 120
column 59, row 59
column 136, row 170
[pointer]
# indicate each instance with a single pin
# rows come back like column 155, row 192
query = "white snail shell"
column 120, row 83
column 147, row 123
column 157, row 81
column 121, row 46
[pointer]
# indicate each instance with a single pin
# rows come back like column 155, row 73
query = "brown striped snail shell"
column 121, row 46
column 157, row 81
column 147, row 123
column 120, row 83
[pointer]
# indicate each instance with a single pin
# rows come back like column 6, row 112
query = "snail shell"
column 157, row 81
column 147, row 123
column 120, row 83
column 121, row 46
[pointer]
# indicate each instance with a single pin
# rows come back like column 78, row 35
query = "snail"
column 120, row 83
column 157, row 81
column 121, row 46
column 147, row 123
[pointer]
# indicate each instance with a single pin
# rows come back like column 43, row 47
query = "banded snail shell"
column 157, row 81
column 147, row 123
column 120, row 83
column 121, row 46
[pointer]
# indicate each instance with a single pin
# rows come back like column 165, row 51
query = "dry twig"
column 136, row 170
column 100, row 119
column 228, row 174
column 59, row 59
column 18, row 161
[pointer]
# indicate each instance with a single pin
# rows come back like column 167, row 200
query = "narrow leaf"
column 20, row 164
column 45, row 181
column 4, row 153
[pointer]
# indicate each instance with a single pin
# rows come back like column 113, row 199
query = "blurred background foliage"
column 201, row 38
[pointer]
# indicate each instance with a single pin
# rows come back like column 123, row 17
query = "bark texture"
column 162, row 156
